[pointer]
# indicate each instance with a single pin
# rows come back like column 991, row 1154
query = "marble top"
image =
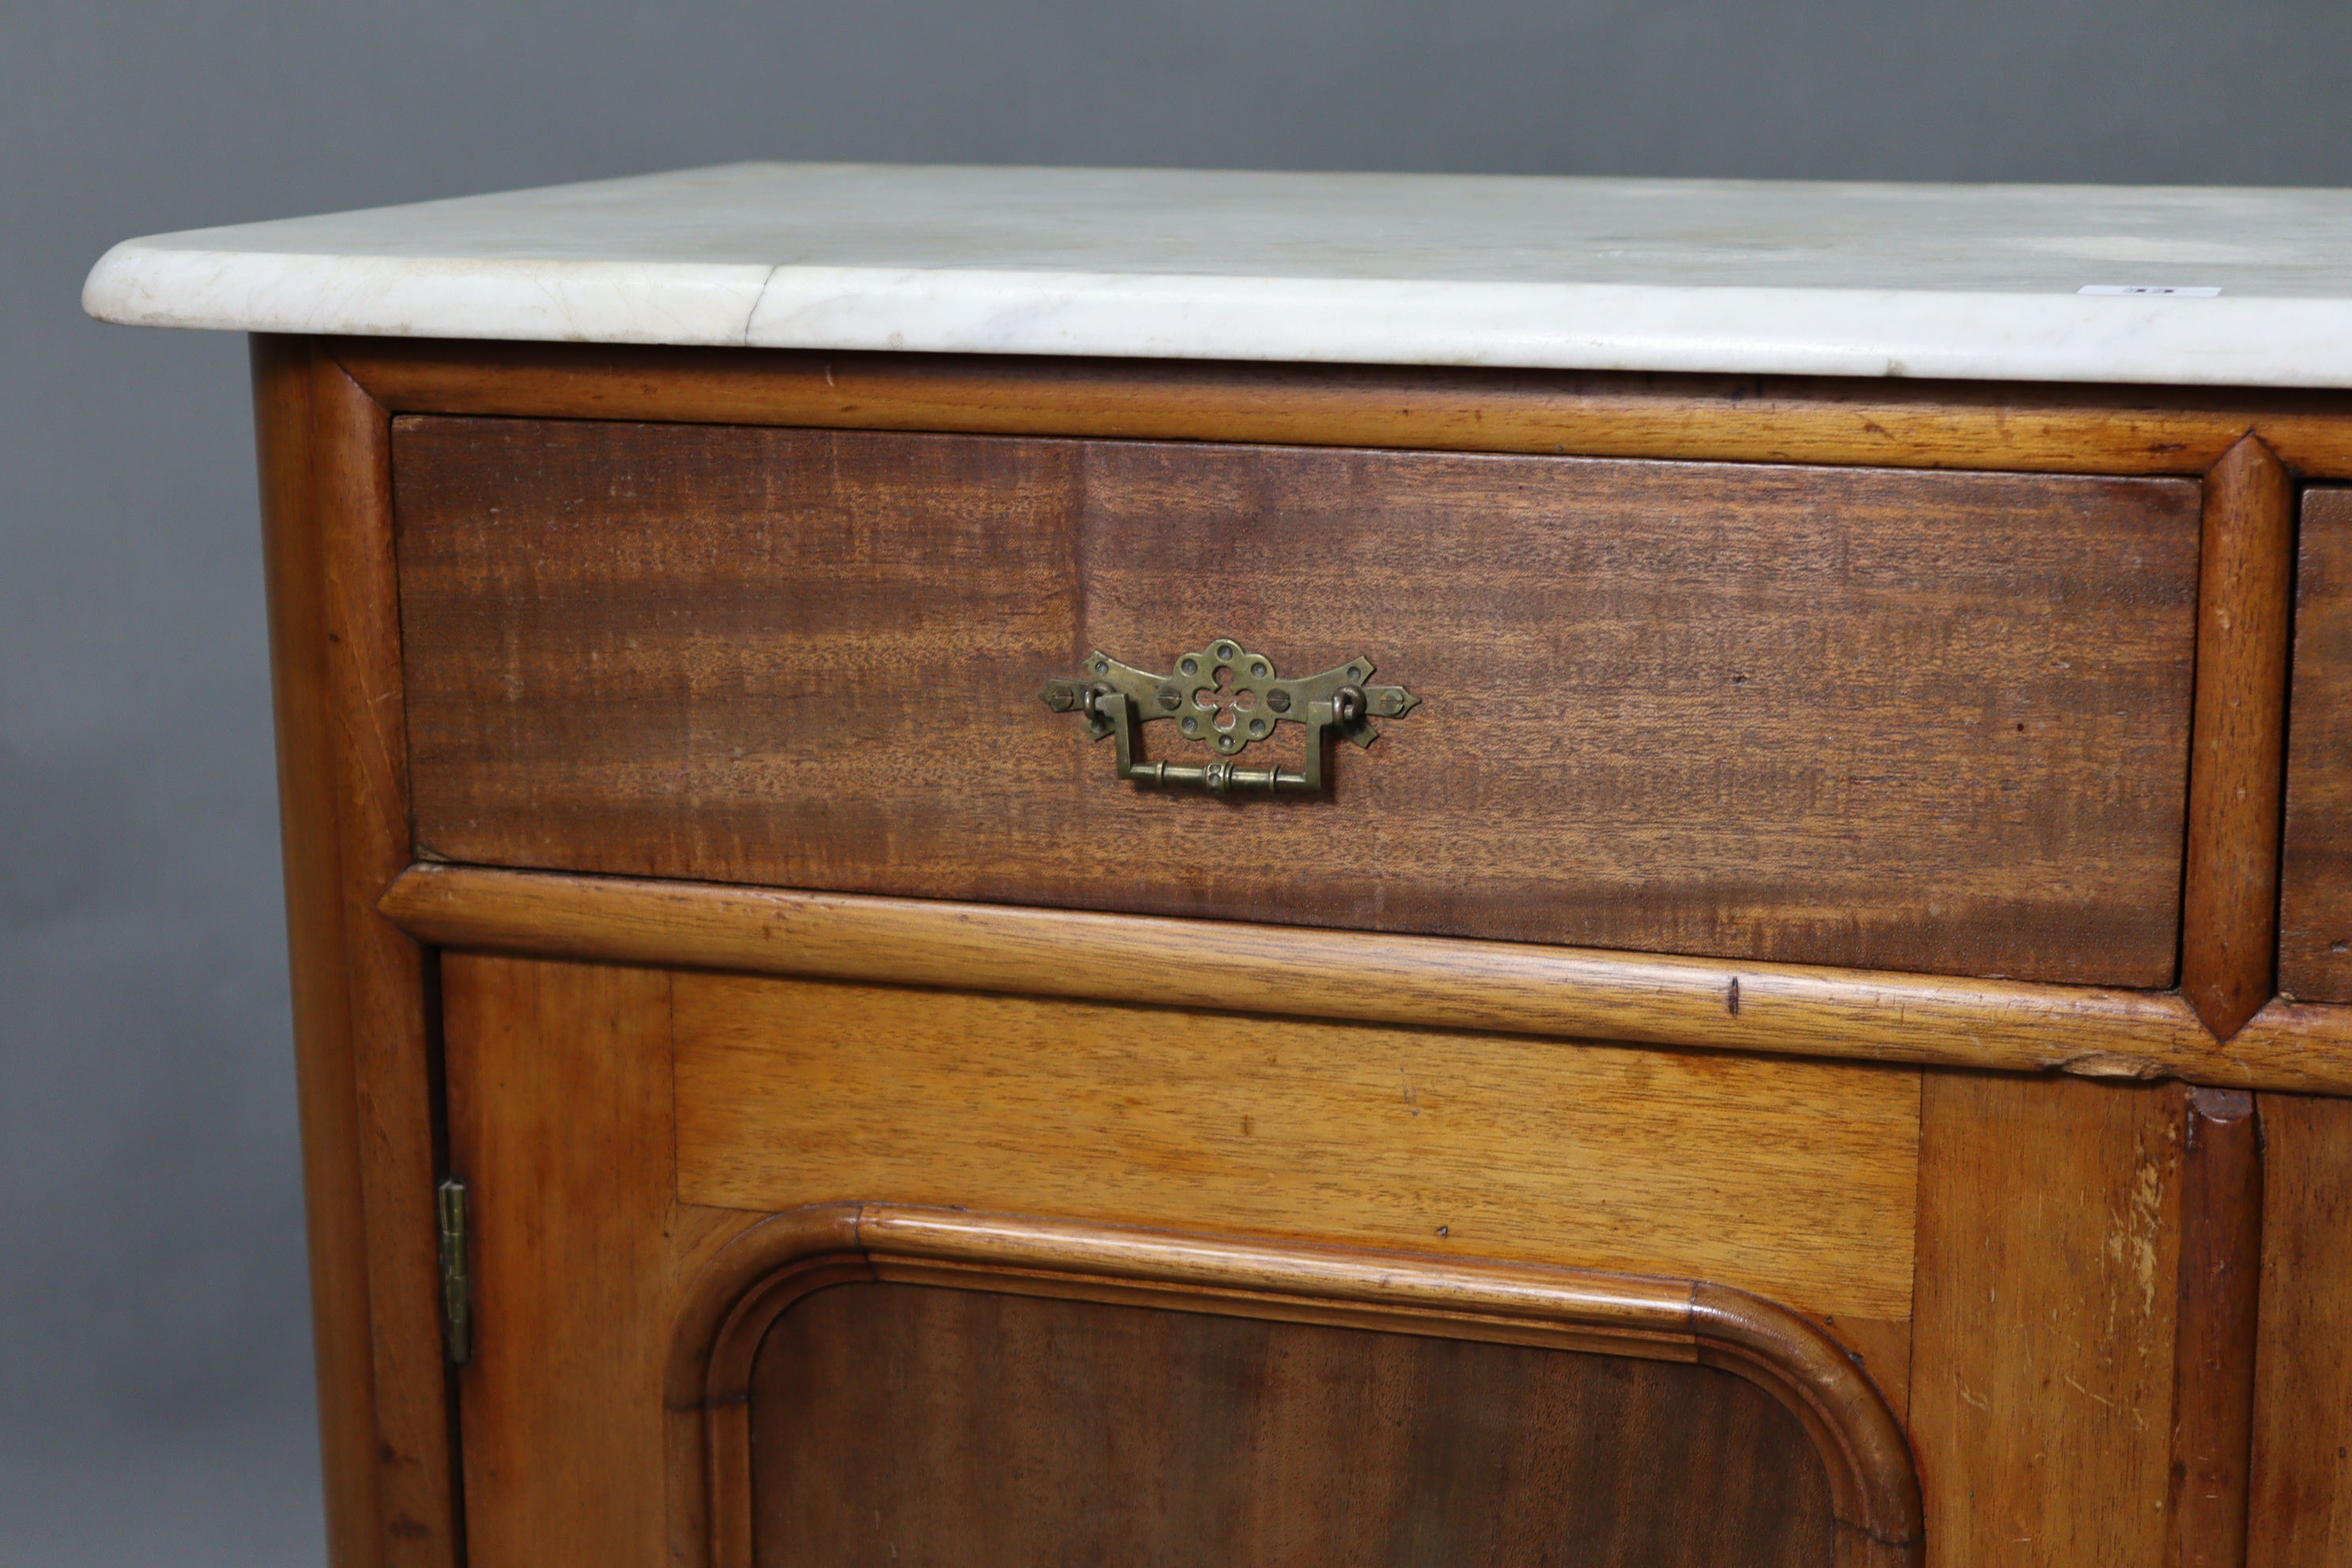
column 1750, row 277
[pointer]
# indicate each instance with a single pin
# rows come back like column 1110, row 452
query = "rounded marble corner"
column 116, row 287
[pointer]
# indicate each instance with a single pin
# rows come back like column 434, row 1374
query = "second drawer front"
column 1935, row 722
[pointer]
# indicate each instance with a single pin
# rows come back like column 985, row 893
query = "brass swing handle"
column 1231, row 699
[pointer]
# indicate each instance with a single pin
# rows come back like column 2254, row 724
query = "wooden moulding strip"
column 2237, row 782
column 2214, row 1353
column 358, row 983
column 1434, row 1322
column 1434, row 981
column 764, row 1272
column 1890, row 422
column 385, row 975
column 1644, row 1308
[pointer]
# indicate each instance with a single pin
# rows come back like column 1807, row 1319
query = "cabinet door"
column 748, row 1292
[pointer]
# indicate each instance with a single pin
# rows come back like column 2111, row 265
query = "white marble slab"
column 1980, row 281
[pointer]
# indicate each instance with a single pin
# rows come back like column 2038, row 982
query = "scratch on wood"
column 2110, row 1064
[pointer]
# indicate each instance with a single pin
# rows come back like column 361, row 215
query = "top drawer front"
column 2315, row 880
column 1922, row 721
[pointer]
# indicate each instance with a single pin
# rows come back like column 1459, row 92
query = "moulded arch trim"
column 1873, row 1488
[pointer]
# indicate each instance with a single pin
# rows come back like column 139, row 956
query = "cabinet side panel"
column 2302, row 1493
column 340, row 1327
column 2314, row 961
column 2043, row 1372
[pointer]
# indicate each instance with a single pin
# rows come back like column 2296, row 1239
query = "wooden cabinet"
column 1779, row 1058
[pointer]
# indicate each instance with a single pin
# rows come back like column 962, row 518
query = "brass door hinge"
column 457, row 1279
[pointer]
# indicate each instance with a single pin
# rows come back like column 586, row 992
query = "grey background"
column 154, row 1361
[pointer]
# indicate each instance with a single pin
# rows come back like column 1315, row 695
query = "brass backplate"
column 1229, row 698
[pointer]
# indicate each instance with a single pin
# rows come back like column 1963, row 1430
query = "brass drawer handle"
column 1232, row 698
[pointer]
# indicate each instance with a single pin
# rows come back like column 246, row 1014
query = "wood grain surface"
column 384, row 973
column 1921, row 721
column 325, row 1076
column 766, row 1271
column 2060, row 1403
column 2213, row 1377
column 559, row 1100
column 2245, row 602
column 792, row 1093
column 599, row 1295
column 2315, row 959
column 1779, row 1008
column 2302, row 1490
column 894, row 1423
column 1742, row 418
column 360, row 982
column 2042, row 1392
column 557, row 1074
